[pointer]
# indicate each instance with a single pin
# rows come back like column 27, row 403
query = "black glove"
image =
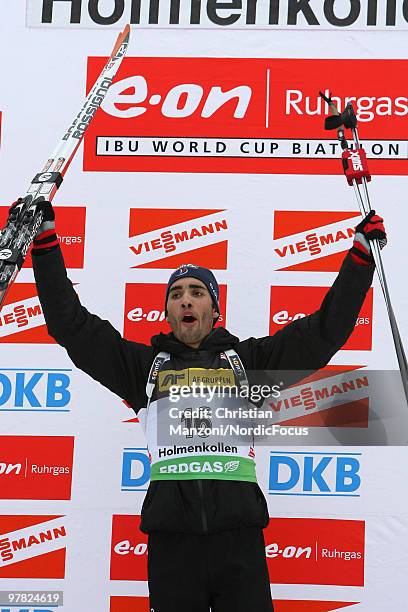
column 370, row 228
column 46, row 238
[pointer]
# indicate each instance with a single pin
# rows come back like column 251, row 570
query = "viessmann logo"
column 32, row 546
column 21, row 318
column 36, row 467
column 337, row 396
column 160, row 238
column 312, row 240
column 144, row 310
column 291, row 303
column 321, row 551
column 243, row 115
column 70, row 222
column 128, row 549
column 121, row 603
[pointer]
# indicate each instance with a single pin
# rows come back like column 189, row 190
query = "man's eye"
column 175, row 295
column 198, row 292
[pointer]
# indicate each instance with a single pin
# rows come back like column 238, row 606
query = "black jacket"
column 196, row 506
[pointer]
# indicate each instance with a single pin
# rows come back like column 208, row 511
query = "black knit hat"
column 203, row 274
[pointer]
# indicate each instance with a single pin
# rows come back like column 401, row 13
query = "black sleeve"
column 92, row 343
column 309, row 343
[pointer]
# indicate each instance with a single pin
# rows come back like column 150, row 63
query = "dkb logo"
column 314, row 474
column 27, row 389
column 135, row 469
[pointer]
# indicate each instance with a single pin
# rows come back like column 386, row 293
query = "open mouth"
column 188, row 319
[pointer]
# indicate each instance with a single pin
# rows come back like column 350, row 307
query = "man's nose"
column 186, row 302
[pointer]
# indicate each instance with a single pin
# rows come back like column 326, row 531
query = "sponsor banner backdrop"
column 313, row 551
column 209, row 149
column 184, row 114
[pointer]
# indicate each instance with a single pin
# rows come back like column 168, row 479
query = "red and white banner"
column 312, row 241
column 128, row 549
column 291, row 303
column 336, row 397
column 21, row 316
column 70, row 226
column 144, row 311
column 32, row 546
column 36, row 467
column 306, row 551
column 315, row 551
column 167, row 238
column 255, row 115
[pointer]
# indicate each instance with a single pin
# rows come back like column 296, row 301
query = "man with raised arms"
column 204, row 511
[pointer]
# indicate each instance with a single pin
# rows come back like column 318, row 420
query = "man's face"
column 190, row 311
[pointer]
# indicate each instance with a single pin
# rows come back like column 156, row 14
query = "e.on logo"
column 36, row 467
column 315, row 551
column 160, row 237
column 128, row 548
column 291, row 303
column 32, row 546
column 144, row 311
column 70, row 222
column 251, row 115
column 312, row 240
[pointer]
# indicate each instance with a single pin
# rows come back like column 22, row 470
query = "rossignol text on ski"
column 24, row 218
column 356, row 170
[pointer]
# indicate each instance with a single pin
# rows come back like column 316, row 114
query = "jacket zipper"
column 203, row 514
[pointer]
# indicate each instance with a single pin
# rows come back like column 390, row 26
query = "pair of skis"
column 24, row 219
column 357, row 174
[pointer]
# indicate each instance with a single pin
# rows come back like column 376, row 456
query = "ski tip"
column 122, row 38
column 126, row 31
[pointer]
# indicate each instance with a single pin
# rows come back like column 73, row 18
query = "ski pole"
column 357, row 173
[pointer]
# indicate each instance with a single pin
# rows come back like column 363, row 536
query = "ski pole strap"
column 355, row 165
column 156, row 366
